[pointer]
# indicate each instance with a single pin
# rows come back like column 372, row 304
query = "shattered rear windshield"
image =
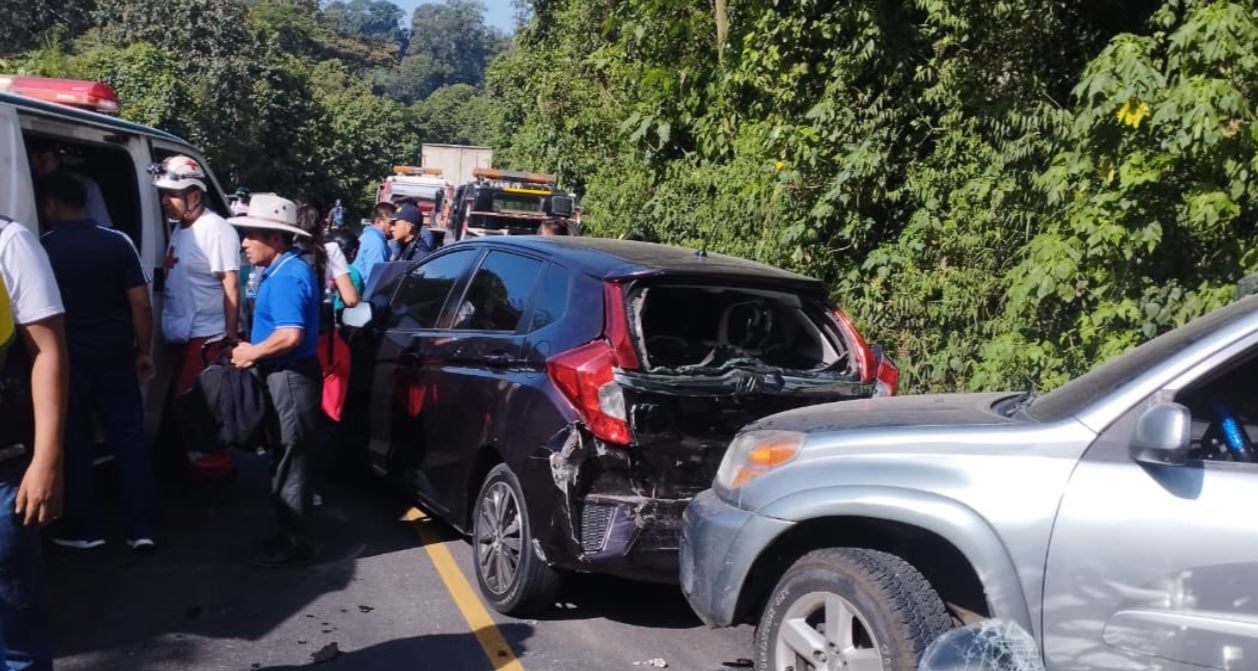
column 696, row 328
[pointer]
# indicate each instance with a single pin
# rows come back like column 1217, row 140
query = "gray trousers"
column 296, row 394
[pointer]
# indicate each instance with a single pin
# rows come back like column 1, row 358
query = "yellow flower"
column 1132, row 113
column 778, row 165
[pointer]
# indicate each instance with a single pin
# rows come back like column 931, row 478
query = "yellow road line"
column 496, row 648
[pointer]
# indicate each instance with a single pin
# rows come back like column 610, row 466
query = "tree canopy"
column 1001, row 193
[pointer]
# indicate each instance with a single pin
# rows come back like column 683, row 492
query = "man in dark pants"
column 32, row 413
column 283, row 346
column 109, row 329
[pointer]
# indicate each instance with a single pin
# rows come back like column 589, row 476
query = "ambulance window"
column 105, row 169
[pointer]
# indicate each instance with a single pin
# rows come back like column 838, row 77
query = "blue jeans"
column 23, row 629
column 114, row 394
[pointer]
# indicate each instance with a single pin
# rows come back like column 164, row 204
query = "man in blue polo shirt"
column 282, row 347
column 109, row 332
column 374, row 244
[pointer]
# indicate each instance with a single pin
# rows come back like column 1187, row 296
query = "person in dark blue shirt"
column 282, row 346
column 109, row 332
column 409, row 231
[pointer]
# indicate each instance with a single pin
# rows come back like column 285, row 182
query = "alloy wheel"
column 822, row 631
column 499, row 538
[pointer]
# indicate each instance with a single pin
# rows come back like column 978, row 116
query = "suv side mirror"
column 359, row 316
column 1162, row 435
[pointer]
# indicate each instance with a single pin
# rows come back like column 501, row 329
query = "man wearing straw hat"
column 282, row 346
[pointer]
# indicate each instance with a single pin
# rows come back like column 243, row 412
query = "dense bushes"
column 1003, row 193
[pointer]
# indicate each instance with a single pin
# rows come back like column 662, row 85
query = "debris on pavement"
column 327, row 653
column 365, row 609
column 740, row 663
column 657, row 663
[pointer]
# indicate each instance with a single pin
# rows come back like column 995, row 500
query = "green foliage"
column 1152, row 195
column 1002, row 193
column 455, row 114
column 377, row 19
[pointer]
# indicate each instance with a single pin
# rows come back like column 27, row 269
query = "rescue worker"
column 282, row 346
column 415, row 239
column 201, row 293
column 374, row 243
column 45, row 158
column 109, row 329
column 33, row 357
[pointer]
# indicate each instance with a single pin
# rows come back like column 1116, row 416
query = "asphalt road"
column 374, row 592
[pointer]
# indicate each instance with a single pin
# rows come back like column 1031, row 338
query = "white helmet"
column 178, row 173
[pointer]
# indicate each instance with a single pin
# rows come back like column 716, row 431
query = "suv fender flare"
column 948, row 518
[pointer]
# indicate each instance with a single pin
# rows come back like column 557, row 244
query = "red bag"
column 334, row 358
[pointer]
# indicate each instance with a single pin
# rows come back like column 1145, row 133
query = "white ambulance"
column 114, row 153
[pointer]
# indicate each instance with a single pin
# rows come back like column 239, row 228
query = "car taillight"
column 616, row 326
column 861, row 351
column 586, row 376
column 886, row 375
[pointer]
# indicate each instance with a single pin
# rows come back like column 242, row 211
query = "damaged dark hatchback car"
column 563, row 399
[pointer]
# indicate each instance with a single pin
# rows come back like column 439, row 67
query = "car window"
column 499, row 293
column 552, row 297
column 418, row 301
column 1224, row 411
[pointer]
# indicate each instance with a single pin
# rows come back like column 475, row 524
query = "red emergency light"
column 94, row 96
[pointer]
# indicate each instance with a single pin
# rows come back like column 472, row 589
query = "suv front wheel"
column 511, row 575
column 851, row 609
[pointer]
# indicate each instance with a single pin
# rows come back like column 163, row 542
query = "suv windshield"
column 1100, row 381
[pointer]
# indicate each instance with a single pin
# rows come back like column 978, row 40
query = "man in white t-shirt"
column 32, row 355
column 201, row 293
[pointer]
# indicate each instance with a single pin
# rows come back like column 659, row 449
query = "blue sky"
column 498, row 12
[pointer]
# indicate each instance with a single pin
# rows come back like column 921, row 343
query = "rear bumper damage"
column 610, row 516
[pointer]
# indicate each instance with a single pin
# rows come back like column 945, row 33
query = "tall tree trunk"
column 722, row 28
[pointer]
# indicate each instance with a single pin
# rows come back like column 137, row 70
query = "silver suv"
column 1116, row 518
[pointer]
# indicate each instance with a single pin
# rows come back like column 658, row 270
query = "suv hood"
column 895, row 411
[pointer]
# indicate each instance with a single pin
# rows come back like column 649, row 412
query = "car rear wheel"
column 849, row 609
column 511, row 575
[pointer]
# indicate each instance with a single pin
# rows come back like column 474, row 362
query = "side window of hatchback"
column 418, row 301
column 499, row 293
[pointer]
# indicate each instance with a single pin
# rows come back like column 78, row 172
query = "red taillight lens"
column 586, row 377
column 860, row 349
column 616, row 326
column 887, row 376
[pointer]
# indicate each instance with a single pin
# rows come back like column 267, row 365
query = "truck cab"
column 505, row 202
column 425, row 187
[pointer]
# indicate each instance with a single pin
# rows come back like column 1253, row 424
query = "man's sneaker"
column 79, row 543
column 141, row 545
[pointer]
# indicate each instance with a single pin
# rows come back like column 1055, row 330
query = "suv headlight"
column 755, row 453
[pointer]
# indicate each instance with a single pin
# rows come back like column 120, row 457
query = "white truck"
column 455, row 161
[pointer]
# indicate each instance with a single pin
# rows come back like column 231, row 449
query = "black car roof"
column 625, row 259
